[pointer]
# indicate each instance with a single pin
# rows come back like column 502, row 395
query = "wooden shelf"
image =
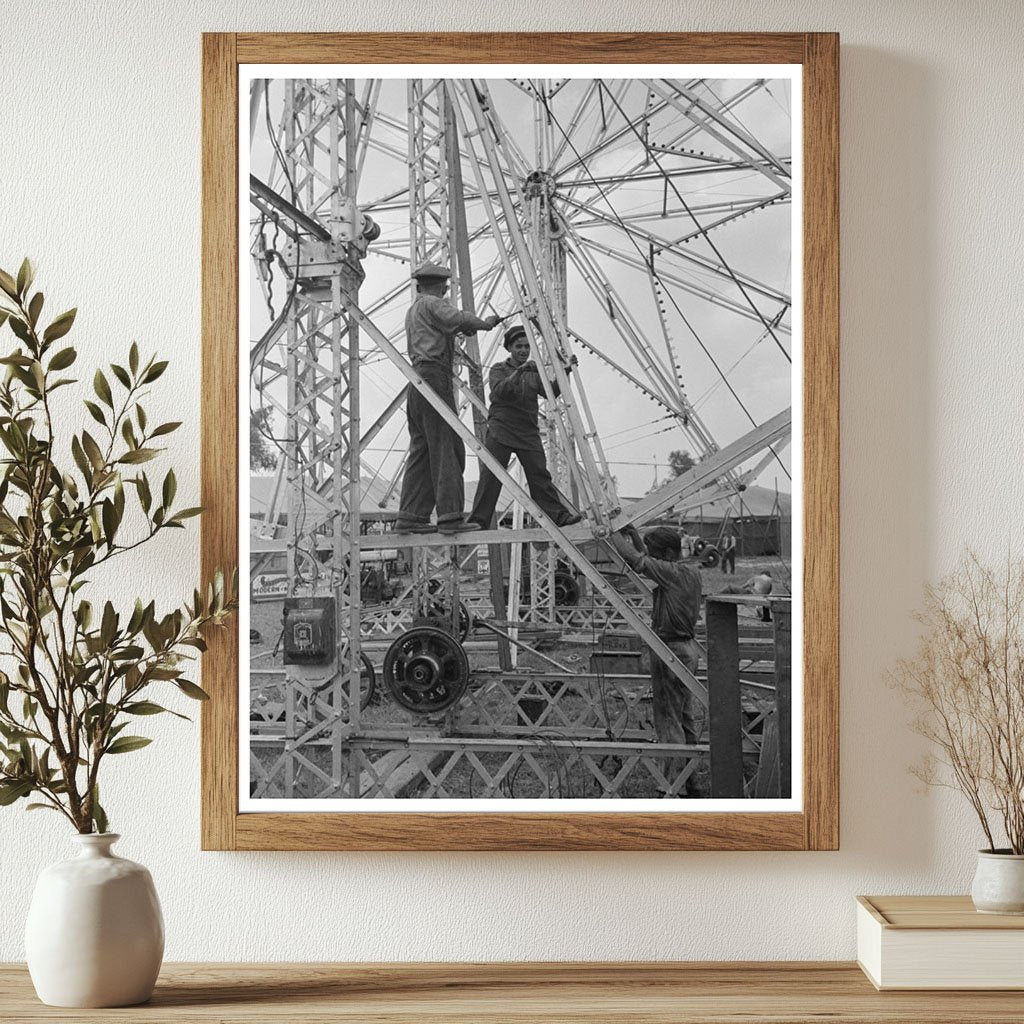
column 611, row 993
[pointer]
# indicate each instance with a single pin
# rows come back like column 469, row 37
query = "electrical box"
column 309, row 630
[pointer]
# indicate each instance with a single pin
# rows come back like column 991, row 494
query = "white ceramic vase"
column 999, row 883
column 95, row 934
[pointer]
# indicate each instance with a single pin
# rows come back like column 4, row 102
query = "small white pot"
column 95, row 933
column 999, row 883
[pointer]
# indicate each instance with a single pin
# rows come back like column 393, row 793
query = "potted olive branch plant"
column 79, row 672
column 966, row 682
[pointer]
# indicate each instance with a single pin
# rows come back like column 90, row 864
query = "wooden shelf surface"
column 523, row 993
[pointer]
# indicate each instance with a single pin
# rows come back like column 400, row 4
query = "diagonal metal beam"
column 706, row 471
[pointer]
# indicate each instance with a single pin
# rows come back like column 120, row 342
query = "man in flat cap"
column 677, row 598
column 512, row 429
column 437, row 456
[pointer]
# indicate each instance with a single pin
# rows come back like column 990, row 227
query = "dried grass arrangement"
column 966, row 682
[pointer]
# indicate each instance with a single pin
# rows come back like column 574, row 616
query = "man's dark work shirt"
column 512, row 416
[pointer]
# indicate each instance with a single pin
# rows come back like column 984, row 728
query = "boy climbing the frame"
column 512, row 429
column 677, row 598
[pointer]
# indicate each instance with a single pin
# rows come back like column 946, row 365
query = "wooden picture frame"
column 816, row 826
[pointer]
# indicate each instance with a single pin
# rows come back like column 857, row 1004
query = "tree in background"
column 679, row 462
column 260, row 454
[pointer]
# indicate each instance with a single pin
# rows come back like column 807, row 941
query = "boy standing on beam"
column 437, row 456
column 513, row 429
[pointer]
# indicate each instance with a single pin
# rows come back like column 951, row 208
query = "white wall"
column 99, row 182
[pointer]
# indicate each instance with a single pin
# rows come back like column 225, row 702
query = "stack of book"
column 938, row 942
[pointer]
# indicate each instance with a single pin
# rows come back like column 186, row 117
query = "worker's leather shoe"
column 569, row 520
column 457, row 526
column 408, row 527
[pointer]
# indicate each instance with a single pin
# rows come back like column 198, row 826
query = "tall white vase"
column 95, row 933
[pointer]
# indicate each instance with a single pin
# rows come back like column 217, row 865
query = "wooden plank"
column 522, row 993
column 783, row 619
column 817, row 826
column 446, row 831
column 725, row 718
column 219, row 430
column 821, row 440
column 520, row 47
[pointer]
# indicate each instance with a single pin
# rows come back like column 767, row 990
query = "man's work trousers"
column 538, row 479
column 676, row 710
column 437, row 456
column 729, row 561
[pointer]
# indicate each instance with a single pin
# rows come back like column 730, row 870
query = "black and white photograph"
column 520, row 384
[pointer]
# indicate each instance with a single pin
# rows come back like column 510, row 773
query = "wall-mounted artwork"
column 520, row 413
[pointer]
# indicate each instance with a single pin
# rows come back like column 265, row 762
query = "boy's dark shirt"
column 512, row 416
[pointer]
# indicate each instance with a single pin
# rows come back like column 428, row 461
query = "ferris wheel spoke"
column 724, row 132
column 640, row 262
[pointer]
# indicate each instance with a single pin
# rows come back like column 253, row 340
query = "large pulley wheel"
column 426, row 670
column 567, row 589
column 710, row 557
column 367, row 684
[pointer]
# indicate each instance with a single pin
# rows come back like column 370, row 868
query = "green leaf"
column 15, row 790
column 191, row 690
column 133, row 358
column 26, row 274
column 108, row 625
column 99, row 816
column 147, row 707
column 170, row 488
column 95, row 412
column 121, row 374
column 126, row 744
column 166, row 428
column 140, row 415
column 109, row 521
column 60, row 326
column 34, row 308
column 138, row 455
column 20, row 328
column 128, row 433
column 143, row 707
column 80, row 458
column 185, row 513
column 63, row 359
column 92, row 449
column 102, row 388
column 155, row 371
column 145, row 497
column 8, row 284
column 42, row 807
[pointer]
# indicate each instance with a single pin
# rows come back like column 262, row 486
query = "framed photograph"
column 520, row 419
